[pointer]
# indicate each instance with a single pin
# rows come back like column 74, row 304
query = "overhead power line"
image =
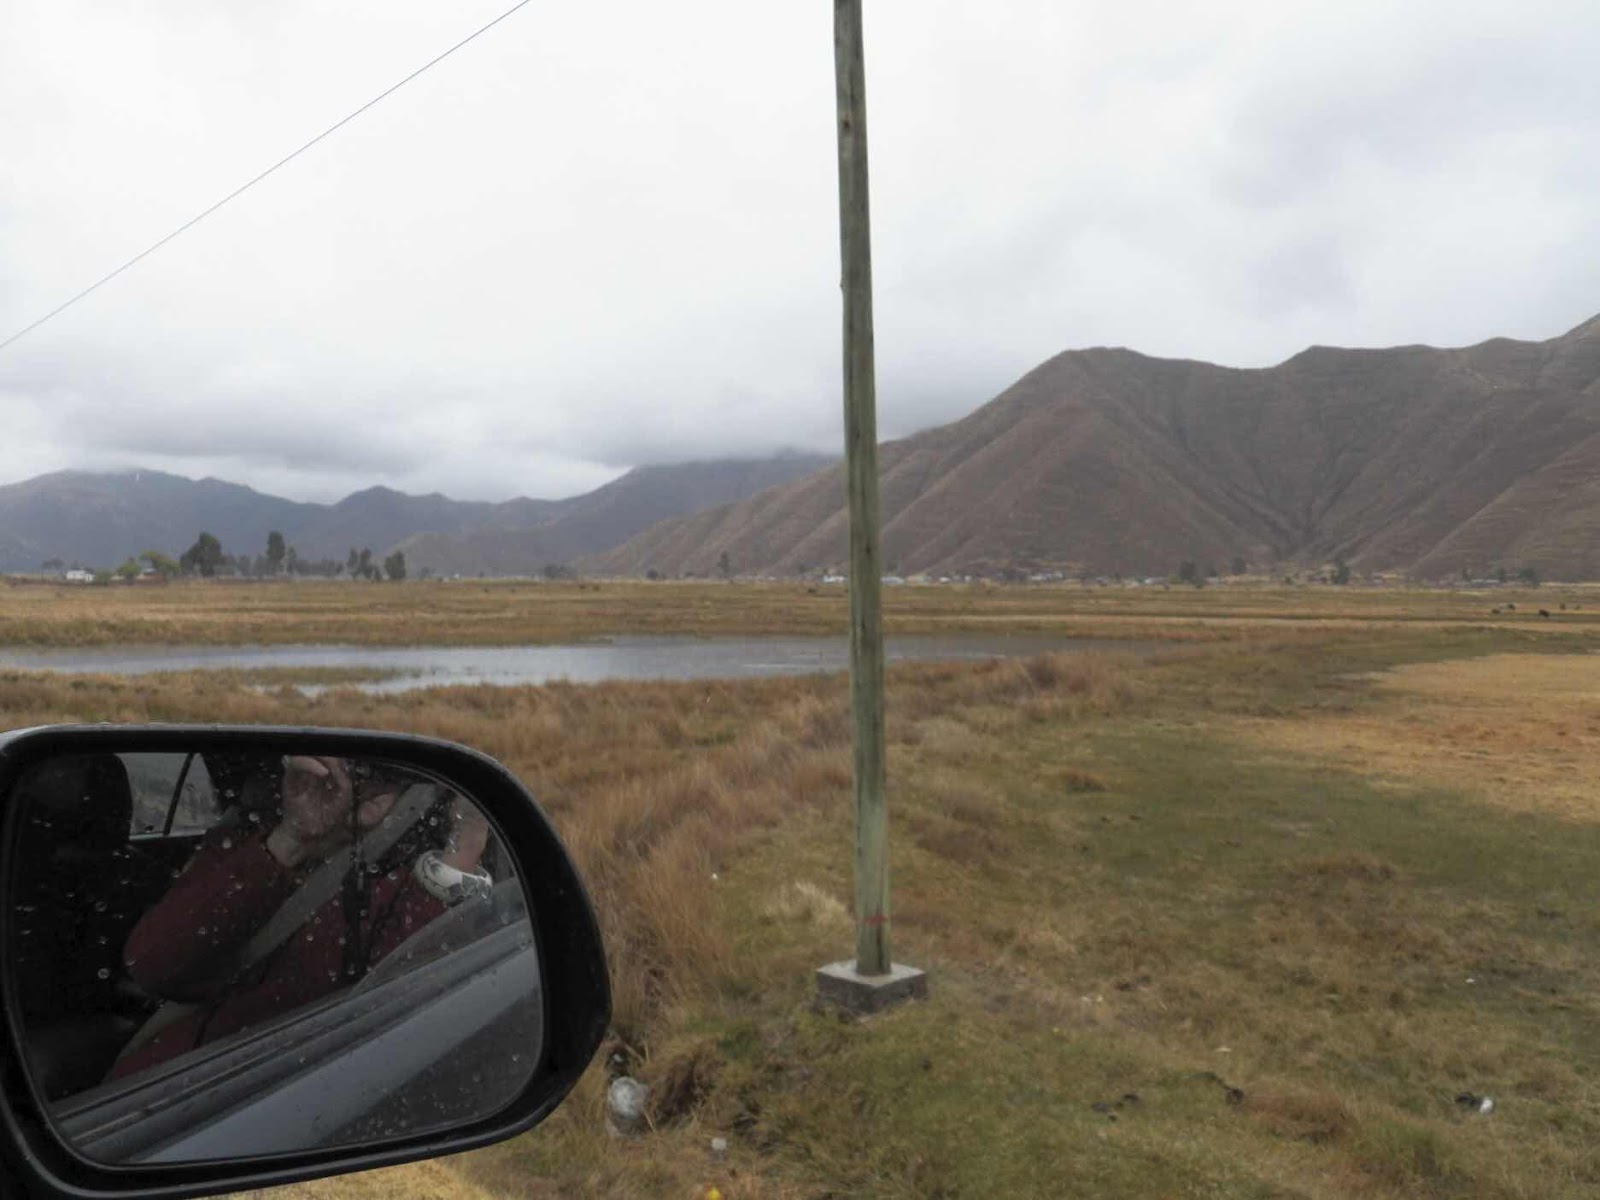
column 245, row 187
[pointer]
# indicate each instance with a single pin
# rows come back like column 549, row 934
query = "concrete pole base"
column 840, row 985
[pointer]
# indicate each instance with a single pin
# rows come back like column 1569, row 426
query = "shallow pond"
column 407, row 667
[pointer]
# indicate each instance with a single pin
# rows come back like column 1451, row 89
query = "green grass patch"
column 1294, row 972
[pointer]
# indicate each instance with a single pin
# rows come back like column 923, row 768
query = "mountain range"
column 101, row 518
column 603, row 518
column 1431, row 462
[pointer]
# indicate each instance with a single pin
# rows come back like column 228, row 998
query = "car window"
column 155, row 779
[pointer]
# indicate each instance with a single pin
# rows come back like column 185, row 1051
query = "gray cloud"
column 606, row 235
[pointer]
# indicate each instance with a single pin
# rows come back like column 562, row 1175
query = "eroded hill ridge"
column 1428, row 461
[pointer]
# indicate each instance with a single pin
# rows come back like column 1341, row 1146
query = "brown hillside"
column 604, row 518
column 1410, row 458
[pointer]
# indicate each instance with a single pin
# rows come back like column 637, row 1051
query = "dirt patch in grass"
column 1363, row 868
column 1304, row 1116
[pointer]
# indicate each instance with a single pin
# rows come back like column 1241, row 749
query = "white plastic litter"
column 625, row 1101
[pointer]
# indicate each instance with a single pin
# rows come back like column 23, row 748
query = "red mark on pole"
column 873, row 922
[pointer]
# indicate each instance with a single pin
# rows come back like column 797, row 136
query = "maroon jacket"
column 184, row 947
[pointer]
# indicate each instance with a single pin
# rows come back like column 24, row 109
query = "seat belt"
column 323, row 883
column 321, row 886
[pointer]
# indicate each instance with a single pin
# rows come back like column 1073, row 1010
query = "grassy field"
column 475, row 612
column 1241, row 918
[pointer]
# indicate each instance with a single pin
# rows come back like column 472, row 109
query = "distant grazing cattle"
column 1544, row 612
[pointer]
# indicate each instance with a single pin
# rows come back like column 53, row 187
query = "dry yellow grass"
column 433, row 1180
column 1521, row 730
column 472, row 612
column 657, row 789
column 653, row 785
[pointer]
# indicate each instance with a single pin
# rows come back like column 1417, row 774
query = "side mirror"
column 238, row 957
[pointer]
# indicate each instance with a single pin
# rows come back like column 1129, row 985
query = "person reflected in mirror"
column 270, row 915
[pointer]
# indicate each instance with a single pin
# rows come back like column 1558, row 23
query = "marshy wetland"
column 1243, row 915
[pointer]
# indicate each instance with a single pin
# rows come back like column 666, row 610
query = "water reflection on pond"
column 635, row 658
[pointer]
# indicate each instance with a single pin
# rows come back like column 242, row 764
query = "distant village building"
column 78, row 575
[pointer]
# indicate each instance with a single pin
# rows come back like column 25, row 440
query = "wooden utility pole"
column 861, row 474
column 873, row 981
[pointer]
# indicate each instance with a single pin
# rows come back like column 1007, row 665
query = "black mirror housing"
column 564, row 956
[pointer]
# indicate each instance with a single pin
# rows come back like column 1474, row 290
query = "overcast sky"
column 606, row 233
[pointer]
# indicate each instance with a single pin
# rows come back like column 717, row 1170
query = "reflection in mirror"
column 228, row 954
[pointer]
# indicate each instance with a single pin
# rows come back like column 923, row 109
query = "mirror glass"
column 215, row 955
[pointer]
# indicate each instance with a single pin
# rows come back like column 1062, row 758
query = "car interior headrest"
column 79, row 801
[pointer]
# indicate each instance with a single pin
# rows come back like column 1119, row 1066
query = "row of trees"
column 1340, row 573
column 1192, row 573
column 207, row 558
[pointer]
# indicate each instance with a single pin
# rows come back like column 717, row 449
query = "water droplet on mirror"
column 103, row 973
column 227, row 843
